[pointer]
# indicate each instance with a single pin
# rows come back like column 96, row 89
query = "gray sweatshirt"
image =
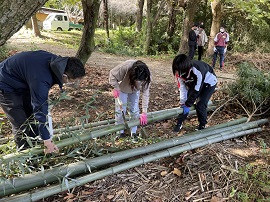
column 119, row 79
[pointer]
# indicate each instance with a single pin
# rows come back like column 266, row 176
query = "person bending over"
column 25, row 81
column 129, row 79
column 196, row 82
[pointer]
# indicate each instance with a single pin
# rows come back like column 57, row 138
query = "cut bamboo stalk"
column 41, row 193
column 93, row 134
column 41, row 178
column 111, row 121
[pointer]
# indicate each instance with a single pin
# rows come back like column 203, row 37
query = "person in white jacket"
column 196, row 83
column 128, row 80
column 201, row 40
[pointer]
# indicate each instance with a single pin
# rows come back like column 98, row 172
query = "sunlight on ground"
column 245, row 152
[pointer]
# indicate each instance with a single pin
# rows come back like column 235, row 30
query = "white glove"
column 215, row 50
column 225, row 50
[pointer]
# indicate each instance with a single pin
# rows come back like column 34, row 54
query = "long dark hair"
column 182, row 64
column 139, row 72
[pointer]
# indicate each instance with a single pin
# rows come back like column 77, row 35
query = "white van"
column 56, row 21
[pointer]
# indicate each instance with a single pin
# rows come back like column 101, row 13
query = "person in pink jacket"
column 129, row 79
column 221, row 41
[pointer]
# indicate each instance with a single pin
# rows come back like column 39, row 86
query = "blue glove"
column 185, row 109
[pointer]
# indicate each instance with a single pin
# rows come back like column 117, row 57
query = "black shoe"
column 122, row 135
column 200, row 127
column 177, row 128
column 135, row 137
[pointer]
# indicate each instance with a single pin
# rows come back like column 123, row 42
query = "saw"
column 123, row 115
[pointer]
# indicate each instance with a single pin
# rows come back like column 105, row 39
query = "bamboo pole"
column 111, row 121
column 87, row 135
column 41, row 178
column 48, row 191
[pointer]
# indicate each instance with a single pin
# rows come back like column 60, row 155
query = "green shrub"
column 251, row 88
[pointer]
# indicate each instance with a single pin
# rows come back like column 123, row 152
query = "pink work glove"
column 116, row 93
column 50, row 147
column 143, row 119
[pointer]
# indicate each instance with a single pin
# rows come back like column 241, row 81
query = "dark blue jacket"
column 35, row 72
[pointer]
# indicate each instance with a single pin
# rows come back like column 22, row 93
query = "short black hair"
column 75, row 68
column 202, row 26
column 181, row 63
column 196, row 24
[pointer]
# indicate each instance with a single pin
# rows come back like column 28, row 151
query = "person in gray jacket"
column 202, row 39
column 129, row 79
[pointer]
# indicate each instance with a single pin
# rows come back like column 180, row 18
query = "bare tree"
column 35, row 27
column 90, row 13
column 217, row 12
column 14, row 14
column 139, row 15
column 172, row 17
column 106, row 17
column 149, row 17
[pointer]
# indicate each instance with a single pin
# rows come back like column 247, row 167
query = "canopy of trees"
column 161, row 25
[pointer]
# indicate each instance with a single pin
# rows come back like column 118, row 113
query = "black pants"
column 191, row 52
column 201, row 106
column 19, row 111
column 200, row 52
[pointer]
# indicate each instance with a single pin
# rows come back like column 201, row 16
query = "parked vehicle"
column 75, row 26
column 59, row 22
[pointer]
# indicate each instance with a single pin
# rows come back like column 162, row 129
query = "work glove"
column 143, row 119
column 215, row 49
column 50, row 147
column 225, row 50
column 185, row 109
column 116, row 93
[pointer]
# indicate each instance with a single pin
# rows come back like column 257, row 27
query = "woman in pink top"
column 221, row 42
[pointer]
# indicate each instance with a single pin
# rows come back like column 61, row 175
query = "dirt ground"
column 203, row 174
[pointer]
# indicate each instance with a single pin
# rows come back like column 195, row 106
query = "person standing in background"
column 202, row 39
column 221, row 42
column 192, row 41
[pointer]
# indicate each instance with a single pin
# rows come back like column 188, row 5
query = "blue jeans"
column 220, row 52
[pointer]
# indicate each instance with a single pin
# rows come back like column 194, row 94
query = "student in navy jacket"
column 25, row 81
column 196, row 82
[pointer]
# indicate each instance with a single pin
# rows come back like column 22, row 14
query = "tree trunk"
column 106, row 17
column 159, row 10
column 172, row 18
column 217, row 13
column 90, row 13
column 35, row 28
column 189, row 13
column 139, row 15
column 14, row 14
column 148, row 27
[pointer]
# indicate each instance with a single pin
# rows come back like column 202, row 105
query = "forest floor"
column 203, row 174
